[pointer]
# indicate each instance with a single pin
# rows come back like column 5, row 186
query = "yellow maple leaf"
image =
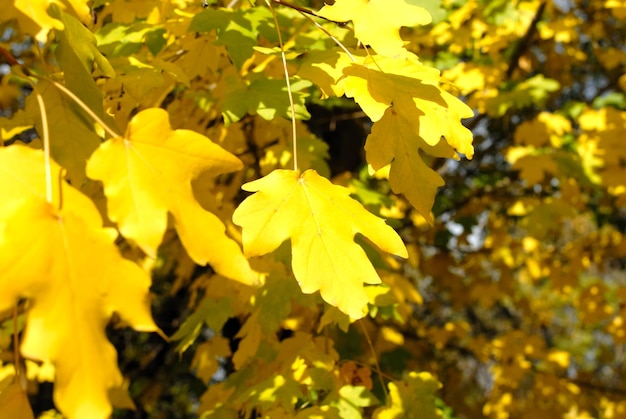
column 394, row 140
column 148, row 173
column 321, row 220
column 377, row 22
column 34, row 19
column 410, row 112
column 414, row 89
column 325, row 69
column 74, row 277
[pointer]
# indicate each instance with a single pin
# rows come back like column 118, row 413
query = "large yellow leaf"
column 148, row 173
column 377, row 22
column 321, row 220
column 74, row 277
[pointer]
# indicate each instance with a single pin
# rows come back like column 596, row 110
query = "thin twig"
column 376, row 364
column 12, row 60
column 523, row 44
column 289, row 92
column 306, row 11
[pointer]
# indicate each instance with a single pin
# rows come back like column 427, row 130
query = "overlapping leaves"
column 147, row 177
column 377, row 22
column 59, row 257
column 410, row 112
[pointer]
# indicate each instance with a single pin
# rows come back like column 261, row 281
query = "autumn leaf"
column 70, row 270
column 147, row 174
column 321, row 221
column 414, row 89
column 72, row 139
column 78, row 48
column 78, row 56
column 411, row 113
column 14, row 403
column 325, row 69
column 377, row 22
column 265, row 96
column 394, row 140
column 411, row 399
column 34, row 19
column 238, row 29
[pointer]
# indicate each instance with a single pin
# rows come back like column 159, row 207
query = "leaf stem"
column 85, row 108
column 45, row 138
column 376, row 364
column 291, row 105
column 16, row 346
column 371, row 57
column 331, row 36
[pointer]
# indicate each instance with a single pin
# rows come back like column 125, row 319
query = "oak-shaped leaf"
column 394, row 140
column 147, row 174
column 377, row 22
column 321, row 220
column 413, row 88
column 410, row 113
column 58, row 257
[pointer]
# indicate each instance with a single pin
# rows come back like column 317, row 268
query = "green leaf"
column 122, row 40
column 77, row 55
column 72, row 135
column 212, row 312
column 531, row 92
column 77, row 45
column 266, row 97
column 238, row 30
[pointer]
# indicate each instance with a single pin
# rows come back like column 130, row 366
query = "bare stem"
column 289, row 92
